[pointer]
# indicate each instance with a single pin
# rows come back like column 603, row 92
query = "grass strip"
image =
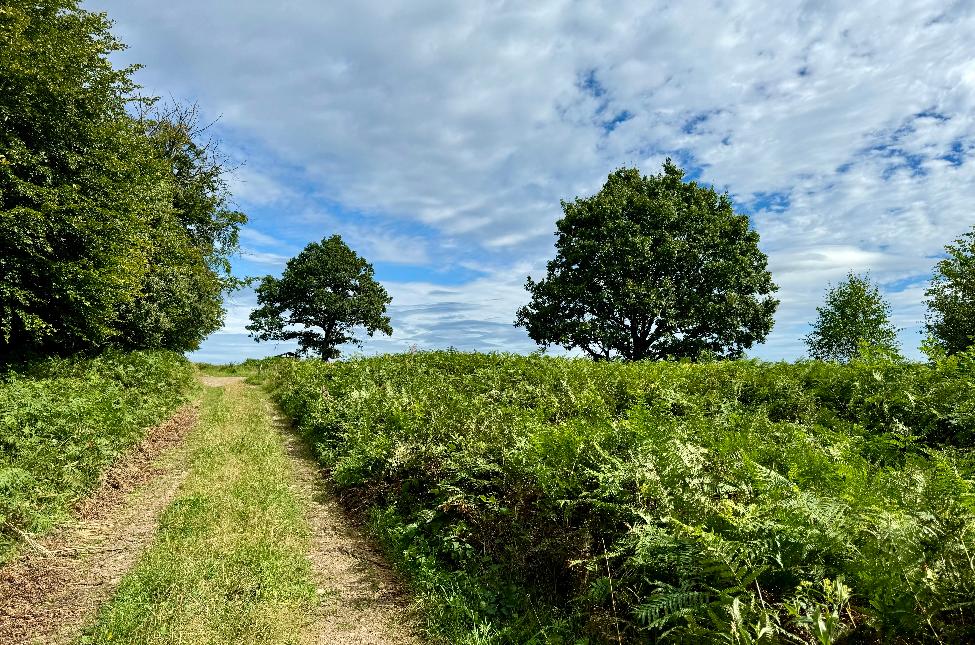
column 229, row 563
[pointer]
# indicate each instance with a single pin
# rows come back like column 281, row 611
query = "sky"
column 438, row 138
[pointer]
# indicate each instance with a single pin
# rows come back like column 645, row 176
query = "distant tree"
column 325, row 292
column 652, row 267
column 854, row 314
column 951, row 297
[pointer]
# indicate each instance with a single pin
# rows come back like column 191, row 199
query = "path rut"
column 55, row 587
column 362, row 601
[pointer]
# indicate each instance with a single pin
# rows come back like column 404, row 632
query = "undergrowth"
column 62, row 422
column 249, row 367
column 535, row 499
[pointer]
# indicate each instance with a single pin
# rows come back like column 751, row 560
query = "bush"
column 535, row 499
column 63, row 421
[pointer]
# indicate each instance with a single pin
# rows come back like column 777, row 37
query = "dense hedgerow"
column 538, row 499
column 63, row 421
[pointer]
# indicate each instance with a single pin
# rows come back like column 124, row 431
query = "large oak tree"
column 324, row 294
column 652, row 267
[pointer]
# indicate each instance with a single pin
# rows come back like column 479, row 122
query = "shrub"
column 63, row 421
column 535, row 499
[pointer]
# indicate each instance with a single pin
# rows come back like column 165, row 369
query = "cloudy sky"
column 438, row 138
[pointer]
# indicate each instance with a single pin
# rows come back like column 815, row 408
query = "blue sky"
column 438, row 138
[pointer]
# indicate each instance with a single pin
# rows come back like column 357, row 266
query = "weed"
column 62, row 422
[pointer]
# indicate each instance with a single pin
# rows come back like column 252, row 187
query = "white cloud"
column 238, row 306
column 372, row 239
column 854, row 124
column 255, row 237
column 262, row 257
column 251, row 187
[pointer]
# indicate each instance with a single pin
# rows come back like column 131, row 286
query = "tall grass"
column 536, row 499
column 245, row 368
column 63, row 421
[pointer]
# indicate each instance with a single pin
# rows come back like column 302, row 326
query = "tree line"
column 117, row 228
column 116, row 225
column 656, row 267
column 650, row 267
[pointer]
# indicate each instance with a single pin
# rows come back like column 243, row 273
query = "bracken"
column 535, row 499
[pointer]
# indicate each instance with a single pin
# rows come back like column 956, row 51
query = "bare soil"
column 56, row 585
column 361, row 600
column 220, row 381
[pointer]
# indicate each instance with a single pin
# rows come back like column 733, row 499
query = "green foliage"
column 854, row 315
column 113, row 229
column 327, row 291
column 951, row 297
column 63, row 421
column 72, row 190
column 246, row 368
column 535, row 499
column 196, row 169
column 181, row 299
column 652, row 267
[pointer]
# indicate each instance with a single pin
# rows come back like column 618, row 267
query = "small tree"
column 855, row 313
column 652, row 267
column 325, row 292
column 951, row 297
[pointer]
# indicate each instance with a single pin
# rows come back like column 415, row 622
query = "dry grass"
column 362, row 600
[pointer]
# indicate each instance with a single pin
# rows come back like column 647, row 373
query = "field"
column 534, row 499
column 63, row 421
column 528, row 499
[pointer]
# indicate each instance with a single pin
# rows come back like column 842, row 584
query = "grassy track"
column 229, row 564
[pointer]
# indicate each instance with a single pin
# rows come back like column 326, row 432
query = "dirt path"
column 55, row 588
column 57, row 584
column 220, row 381
column 362, row 602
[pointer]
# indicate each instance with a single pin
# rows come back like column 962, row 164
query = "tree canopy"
column 950, row 318
column 114, row 226
column 854, row 315
column 181, row 299
column 325, row 292
column 652, row 267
